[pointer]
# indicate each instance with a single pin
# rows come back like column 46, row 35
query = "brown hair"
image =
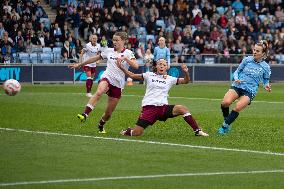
column 264, row 45
column 122, row 35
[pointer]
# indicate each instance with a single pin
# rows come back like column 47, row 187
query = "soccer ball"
column 11, row 87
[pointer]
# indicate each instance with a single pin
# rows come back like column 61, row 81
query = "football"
column 11, row 87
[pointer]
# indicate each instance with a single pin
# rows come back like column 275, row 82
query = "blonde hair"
column 264, row 45
column 122, row 35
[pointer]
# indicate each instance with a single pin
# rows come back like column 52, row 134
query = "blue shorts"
column 242, row 92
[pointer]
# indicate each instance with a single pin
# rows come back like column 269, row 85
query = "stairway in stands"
column 51, row 13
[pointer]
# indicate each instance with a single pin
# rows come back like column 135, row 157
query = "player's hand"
column 268, row 88
column 119, row 63
column 74, row 65
column 184, row 68
column 238, row 81
column 121, row 59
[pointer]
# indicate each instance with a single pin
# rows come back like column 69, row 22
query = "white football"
column 11, row 87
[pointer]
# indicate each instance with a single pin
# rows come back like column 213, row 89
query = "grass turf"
column 53, row 108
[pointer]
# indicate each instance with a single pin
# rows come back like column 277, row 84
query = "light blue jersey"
column 251, row 74
column 163, row 53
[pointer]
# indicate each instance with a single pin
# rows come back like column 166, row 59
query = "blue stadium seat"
column 15, row 58
column 36, row 50
column 46, row 50
column 34, row 58
column 24, row 58
column 152, row 37
column 45, row 58
column 57, row 54
column 161, row 23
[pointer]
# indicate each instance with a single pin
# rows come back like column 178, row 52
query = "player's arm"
column 89, row 61
column 131, row 61
column 168, row 54
column 266, row 77
column 129, row 73
column 186, row 77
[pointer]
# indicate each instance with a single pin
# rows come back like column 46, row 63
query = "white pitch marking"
column 173, row 97
column 147, row 142
column 138, row 177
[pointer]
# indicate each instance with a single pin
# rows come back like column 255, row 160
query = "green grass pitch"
column 43, row 145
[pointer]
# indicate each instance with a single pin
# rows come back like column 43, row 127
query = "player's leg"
column 111, row 105
column 135, row 131
column 89, row 82
column 148, row 116
column 182, row 110
column 240, row 105
column 103, row 87
column 228, row 99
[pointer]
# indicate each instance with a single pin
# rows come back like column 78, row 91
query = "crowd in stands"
column 192, row 28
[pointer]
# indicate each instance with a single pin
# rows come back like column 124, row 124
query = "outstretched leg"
column 182, row 110
column 102, row 88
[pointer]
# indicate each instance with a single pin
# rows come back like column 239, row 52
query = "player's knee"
column 137, row 132
column 237, row 109
column 225, row 103
column 180, row 109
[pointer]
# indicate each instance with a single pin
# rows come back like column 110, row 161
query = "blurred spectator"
column 238, row 6
column 133, row 41
column 162, row 51
column 57, row 32
column 148, row 60
column 76, row 22
column 2, row 30
column 223, row 21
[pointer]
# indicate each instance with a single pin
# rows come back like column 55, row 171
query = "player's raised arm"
column 186, row 78
column 89, row 61
column 129, row 73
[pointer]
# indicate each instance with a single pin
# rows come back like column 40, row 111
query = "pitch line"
column 213, row 99
column 173, row 97
column 138, row 177
column 146, row 142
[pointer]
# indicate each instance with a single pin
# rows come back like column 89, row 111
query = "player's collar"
column 257, row 61
column 121, row 51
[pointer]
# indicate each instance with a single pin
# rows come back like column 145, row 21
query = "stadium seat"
column 161, row 23
column 34, row 58
column 152, row 37
column 57, row 54
column 45, row 58
column 24, row 58
column 36, row 50
column 15, row 58
column 46, row 50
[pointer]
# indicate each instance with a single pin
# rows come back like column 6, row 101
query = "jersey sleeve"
column 266, row 76
column 131, row 55
column 240, row 69
column 145, row 75
column 174, row 80
column 104, row 54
